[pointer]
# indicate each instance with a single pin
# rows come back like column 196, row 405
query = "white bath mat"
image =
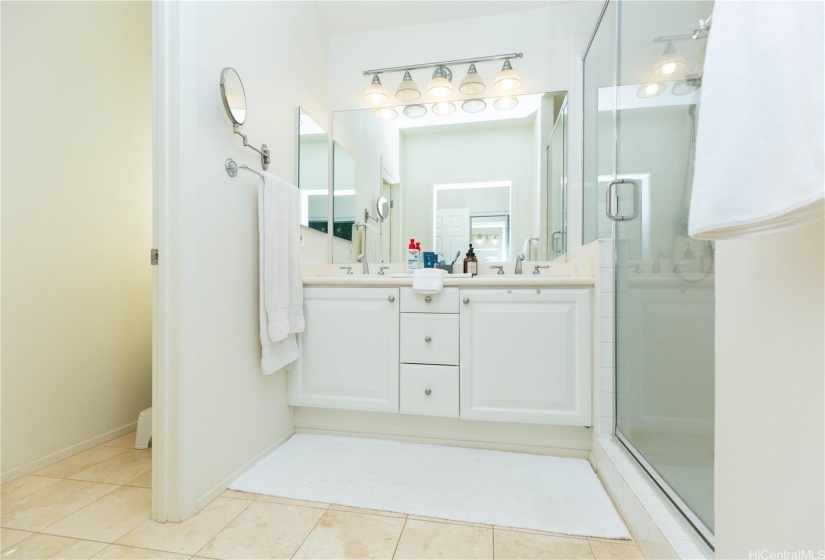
column 551, row 494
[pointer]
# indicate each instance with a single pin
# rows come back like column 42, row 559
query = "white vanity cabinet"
column 525, row 355
column 349, row 350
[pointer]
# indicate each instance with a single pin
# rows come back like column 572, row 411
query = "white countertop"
column 485, row 280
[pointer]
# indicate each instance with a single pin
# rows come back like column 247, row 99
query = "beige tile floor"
column 97, row 504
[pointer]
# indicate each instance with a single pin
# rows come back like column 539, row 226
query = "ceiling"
column 344, row 16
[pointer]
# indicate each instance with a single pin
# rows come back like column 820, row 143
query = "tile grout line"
column 401, row 534
column 218, row 532
column 310, row 532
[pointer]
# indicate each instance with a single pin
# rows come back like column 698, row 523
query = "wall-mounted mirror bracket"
column 264, row 151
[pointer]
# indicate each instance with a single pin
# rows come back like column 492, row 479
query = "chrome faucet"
column 347, row 268
column 537, row 267
column 381, row 270
column 499, row 267
column 657, row 262
column 519, row 260
column 365, row 268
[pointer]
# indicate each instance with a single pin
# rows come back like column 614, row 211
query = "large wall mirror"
column 495, row 178
column 313, row 172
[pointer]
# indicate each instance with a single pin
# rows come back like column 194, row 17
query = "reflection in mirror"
column 382, row 207
column 494, row 178
column 233, row 95
column 343, row 192
column 313, row 172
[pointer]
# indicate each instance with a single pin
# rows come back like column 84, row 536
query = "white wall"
column 770, row 381
column 507, row 153
column 76, row 226
column 228, row 413
column 552, row 40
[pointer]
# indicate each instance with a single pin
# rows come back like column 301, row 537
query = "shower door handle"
column 608, row 210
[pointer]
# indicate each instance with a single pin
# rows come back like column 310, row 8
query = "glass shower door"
column 664, row 284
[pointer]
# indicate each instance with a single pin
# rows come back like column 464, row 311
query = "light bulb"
column 505, row 103
column 650, row 90
column 415, row 111
column 473, row 83
column 407, row 89
column 386, row 113
column 440, row 84
column 508, row 79
column 443, row 108
column 376, row 93
column 670, row 62
column 474, row 106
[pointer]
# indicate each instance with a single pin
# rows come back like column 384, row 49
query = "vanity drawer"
column 429, row 338
column 429, row 390
column 445, row 302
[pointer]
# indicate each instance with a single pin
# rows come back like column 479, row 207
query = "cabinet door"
column 525, row 356
column 349, row 350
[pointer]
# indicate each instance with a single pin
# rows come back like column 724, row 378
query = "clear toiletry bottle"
column 471, row 262
column 420, row 256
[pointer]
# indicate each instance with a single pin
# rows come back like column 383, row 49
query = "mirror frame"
column 382, row 207
column 224, row 74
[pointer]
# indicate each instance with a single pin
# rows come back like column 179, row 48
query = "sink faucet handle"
column 537, row 267
column 347, row 268
column 381, row 270
column 499, row 267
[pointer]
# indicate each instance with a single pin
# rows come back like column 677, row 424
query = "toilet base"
column 144, row 429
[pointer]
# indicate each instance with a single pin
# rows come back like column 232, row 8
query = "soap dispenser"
column 471, row 262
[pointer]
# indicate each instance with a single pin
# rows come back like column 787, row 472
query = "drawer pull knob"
column 428, row 339
column 466, row 300
column 428, row 299
column 391, row 299
column 428, row 391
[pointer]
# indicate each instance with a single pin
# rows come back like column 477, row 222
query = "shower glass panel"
column 664, row 280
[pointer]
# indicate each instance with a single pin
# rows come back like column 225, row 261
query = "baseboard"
column 221, row 487
column 17, row 472
column 495, row 446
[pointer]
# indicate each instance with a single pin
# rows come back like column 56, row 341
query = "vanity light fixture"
column 473, row 83
column 505, row 103
column 376, row 93
column 440, row 85
column 407, row 90
column 691, row 83
column 386, row 113
column 415, row 111
column 474, row 105
column 508, row 79
column 670, row 62
column 650, row 90
column 443, row 108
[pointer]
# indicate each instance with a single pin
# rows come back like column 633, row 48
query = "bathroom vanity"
column 508, row 350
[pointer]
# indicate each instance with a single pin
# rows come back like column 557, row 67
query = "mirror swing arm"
column 264, row 151
column 232, row 87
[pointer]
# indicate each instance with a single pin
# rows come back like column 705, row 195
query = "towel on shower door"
column 281, row 312
column 759, row 164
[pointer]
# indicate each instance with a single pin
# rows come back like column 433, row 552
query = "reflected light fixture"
column 386, row 113
column 473, row 83
column 691, row 83
column 440, row 84
column 443, row 108
column 407, row 89
column 508, row 79
column 670, row 61
column 415, row 111
column 474, row 105
column 505, row 103
column 650, row 90
column 376, row 93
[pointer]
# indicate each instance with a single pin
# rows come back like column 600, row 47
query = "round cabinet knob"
column 391, row 299
column 428, row 339
column 466, row 300
column 428, row 391
column 428, row 299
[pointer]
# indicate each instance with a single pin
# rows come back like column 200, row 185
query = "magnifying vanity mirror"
column 313, row 172
column 494, row 178
column 382, row 207
column 234, row 101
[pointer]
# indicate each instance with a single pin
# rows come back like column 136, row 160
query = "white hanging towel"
column 279, row 277
column 429, row 280
column 759, row 151
column 372, row 243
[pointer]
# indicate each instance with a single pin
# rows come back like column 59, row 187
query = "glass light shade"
column 443, row 108
column 386, row 113
column 508, row 79
column 474, row 106
column 691, row 83
column 669, row 63
column 650, row 90
column 473, row 83
column 407, row 89
column 415, row 111
column 440, row 84
column 505, row 103
column 376, row 93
